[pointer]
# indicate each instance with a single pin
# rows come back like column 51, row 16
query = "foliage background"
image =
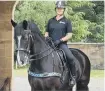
column 87, row 17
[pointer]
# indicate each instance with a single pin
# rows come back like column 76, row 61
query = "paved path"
column 21, row 84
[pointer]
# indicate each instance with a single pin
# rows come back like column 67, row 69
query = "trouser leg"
column 70, row 58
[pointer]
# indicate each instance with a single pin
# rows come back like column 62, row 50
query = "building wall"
column 6, row 41
column 95, row 52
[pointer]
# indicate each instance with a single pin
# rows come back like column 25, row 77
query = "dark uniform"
column 57, row 30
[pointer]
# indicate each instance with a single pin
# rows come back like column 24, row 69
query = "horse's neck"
column 48, row 60
column 40, row 47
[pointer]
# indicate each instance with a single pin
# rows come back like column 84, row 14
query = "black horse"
column 47, row 72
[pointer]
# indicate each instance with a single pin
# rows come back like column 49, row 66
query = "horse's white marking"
column 18, row 55
column 26, row 58
column 74, row 87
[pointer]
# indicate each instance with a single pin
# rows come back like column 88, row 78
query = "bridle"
column 22, row 49
column 27, row 50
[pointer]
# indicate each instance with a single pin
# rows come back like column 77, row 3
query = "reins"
column 34, row 55
column 43, row 51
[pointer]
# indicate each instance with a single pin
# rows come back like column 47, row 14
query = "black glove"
column 48, row 38
column 57, row 42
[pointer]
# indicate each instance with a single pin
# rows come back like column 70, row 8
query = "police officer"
column 59, row 28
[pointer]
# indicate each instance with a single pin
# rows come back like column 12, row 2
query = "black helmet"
column 60, row 4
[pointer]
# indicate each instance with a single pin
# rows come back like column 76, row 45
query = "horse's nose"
column 20, row 63
column 23, row 63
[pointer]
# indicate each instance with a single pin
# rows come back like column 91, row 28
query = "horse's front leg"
column 32, row 89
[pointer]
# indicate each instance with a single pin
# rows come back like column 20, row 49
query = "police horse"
column 47, row 71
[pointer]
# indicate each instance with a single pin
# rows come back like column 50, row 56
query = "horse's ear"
column 25, row 24
column 13, row 23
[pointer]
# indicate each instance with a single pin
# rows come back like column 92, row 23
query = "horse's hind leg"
column 32, row 89
column 82, row 86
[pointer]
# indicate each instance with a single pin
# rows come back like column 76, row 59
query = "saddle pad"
column 61, row 54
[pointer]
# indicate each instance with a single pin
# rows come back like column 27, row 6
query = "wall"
column 95, row 52
column 6, row 42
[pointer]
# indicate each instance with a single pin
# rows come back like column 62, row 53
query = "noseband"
column 22, row 49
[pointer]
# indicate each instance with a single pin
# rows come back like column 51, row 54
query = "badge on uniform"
column 62, row 22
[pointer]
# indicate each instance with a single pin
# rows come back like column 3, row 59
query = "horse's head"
column 22, row 35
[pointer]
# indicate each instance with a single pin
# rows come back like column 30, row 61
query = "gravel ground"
column 21, row 84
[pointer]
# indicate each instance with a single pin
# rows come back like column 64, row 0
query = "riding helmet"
column 60, row 4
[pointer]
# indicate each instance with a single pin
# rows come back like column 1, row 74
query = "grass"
column 22, row 72
column 97, row 73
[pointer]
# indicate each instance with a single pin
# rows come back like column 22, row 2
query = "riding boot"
column 73, row 74
column 70, row 61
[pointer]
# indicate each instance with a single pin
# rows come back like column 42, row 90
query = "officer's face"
column 59, row 11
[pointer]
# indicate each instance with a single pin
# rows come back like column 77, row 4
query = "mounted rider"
column 59, row 28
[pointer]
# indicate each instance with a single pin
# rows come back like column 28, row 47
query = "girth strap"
column 46, row 74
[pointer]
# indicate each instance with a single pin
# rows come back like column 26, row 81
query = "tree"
column 87, row 17
column 35, row 10
column 76, row 15
column 97, row 27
